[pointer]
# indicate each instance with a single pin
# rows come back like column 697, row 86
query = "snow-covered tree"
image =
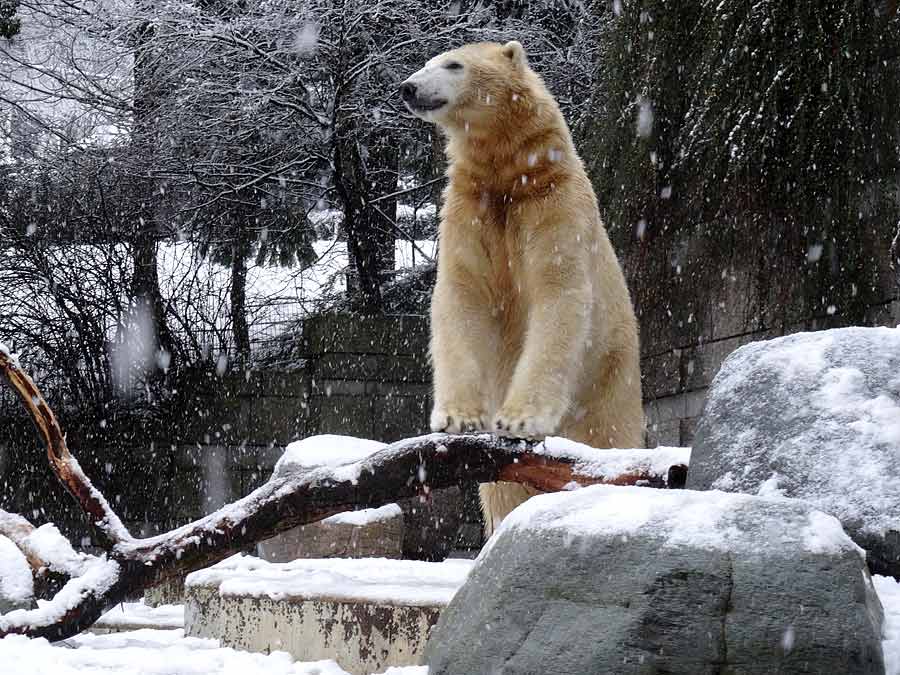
column 760, row 137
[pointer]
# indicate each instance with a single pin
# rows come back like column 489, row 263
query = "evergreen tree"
column 753, row 139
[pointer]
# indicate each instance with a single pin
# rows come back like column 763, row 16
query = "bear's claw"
column 532, row 426
column 454, row 422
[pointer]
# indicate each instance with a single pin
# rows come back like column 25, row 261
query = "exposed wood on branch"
column 108, row 527
column 293, row 496
column 15, row 528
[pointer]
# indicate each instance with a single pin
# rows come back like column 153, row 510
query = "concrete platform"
column 130, row 616
column 366, row 614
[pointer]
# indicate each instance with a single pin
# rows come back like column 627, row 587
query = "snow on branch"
column 294, row 495
column 106, row 523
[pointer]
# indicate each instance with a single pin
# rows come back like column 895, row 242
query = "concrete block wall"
column 353, row 376
column 676, row 379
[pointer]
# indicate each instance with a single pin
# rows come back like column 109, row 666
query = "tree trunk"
column 145, row 290
column 143, row 232
column 240, row 329
column 364, row 283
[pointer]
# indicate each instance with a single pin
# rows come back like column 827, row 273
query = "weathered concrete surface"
column 361, row 638
column 367, row 615
column 815, row 416
column 636, row 580
column 169, row 592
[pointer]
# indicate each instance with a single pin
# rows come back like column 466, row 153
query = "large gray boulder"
column 814, row 416
column 636, row 580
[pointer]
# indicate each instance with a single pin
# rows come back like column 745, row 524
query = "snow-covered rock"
column 814, row 416
column 626, row 579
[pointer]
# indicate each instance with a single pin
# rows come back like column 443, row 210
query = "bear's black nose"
column 408, row 91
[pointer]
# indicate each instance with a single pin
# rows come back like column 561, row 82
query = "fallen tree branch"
column 293, row 496
column 109, row 529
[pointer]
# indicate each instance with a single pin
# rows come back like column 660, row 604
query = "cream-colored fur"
column 533, row 330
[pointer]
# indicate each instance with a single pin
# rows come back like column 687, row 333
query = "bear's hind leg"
column 499, row 499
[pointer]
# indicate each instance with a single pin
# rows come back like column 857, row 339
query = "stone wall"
column 346, row 375
column 675, row 380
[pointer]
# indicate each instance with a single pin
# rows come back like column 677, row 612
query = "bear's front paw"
column 454, row 421
column 525, row 422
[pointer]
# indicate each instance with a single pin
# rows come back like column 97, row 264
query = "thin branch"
column 399, row 193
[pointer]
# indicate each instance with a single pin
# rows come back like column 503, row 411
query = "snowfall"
column 135, row 639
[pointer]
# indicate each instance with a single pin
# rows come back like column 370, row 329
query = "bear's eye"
column 453, row 65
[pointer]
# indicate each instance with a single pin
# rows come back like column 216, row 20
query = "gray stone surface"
column 636, row 580
column 814, row 416
column 378, row 536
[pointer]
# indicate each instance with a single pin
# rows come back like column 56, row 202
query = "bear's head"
column 470, row 87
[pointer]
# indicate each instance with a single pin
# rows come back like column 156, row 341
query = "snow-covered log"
column 294, row 495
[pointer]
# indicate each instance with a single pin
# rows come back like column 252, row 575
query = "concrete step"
column 366, row 614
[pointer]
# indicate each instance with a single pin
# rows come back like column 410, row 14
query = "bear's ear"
column 515, row 52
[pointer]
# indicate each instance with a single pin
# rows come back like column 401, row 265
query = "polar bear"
column 532, row 328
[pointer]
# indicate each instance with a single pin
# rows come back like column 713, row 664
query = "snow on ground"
column 146, row 652
column 270, row 287
column 374, row 580
column 131, row 614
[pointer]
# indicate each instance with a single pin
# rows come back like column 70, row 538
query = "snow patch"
column 133, row 614
column 16, row 584
column 604, row 463
column 371, row 580
column 888, row 590
column 327, row 450
column 13, row 358
column 98, row 576
column 365, row 516
column 146, row 652
column 52, row 547
column 824, row 534
column 707, row 520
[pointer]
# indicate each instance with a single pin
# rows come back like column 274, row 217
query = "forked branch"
column 293, row 496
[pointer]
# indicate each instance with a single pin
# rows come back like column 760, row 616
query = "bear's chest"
column 502, row 255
